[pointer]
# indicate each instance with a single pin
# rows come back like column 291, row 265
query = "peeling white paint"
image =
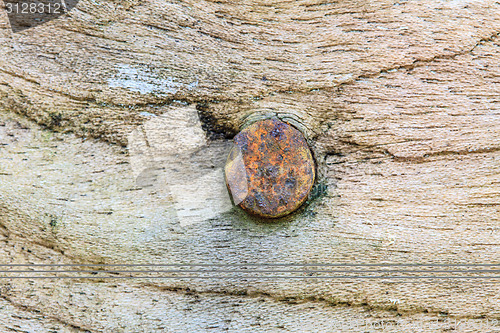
column 146, row 81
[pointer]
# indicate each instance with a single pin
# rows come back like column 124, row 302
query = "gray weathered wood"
column 103, row 157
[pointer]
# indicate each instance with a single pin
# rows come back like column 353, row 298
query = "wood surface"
column 115, row 124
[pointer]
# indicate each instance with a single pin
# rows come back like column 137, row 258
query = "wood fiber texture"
column 115, row 126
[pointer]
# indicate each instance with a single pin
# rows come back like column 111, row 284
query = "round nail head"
column 270, row 170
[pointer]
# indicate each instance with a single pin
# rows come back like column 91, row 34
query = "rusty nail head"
column 270, row 170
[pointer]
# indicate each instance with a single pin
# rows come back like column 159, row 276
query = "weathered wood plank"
column 110, row 61
column 134, row 306
column 399, row 100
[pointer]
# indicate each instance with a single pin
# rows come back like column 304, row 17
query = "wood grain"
column 117, row 118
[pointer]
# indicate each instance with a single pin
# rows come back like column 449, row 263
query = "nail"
column 270, row 170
